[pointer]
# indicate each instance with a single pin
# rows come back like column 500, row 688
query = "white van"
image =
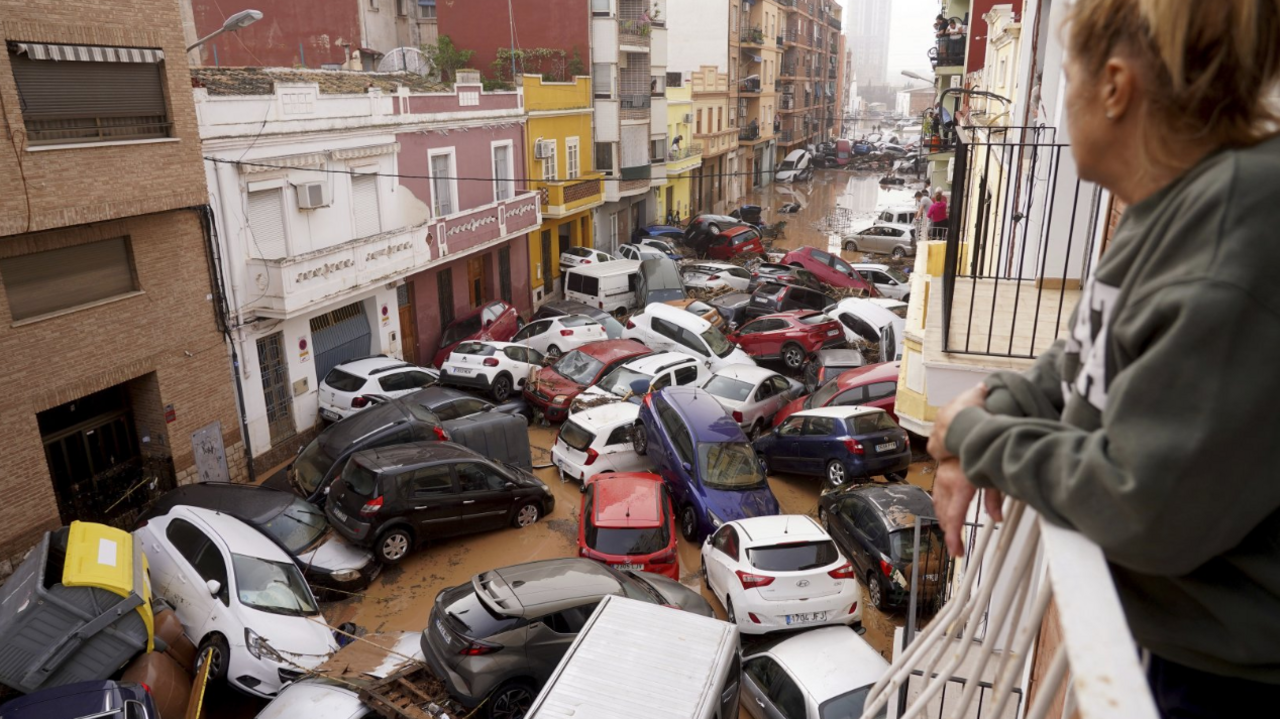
column 638, row 659
column 610, row 286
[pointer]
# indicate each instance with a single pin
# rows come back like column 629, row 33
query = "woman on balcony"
column 1148, row 429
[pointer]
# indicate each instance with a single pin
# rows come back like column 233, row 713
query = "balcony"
column 634, row 25
column 635, row 107
column 684, row 159
column 716, row 143
column 787, row 137
column 749, row 134
column 792, row 38
column 831, row 73
column 949, row 52
column 640, row 172
column 750, row 85
column 751, row 36
column 564, row 198
column 789, row 5
column 789, row 70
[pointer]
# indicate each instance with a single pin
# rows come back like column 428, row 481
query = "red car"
column 875, row 385
column 829, row 268
column 497, row 321
column 554, row 387
column 792, row 336
column 735, row 241
column 627, row 522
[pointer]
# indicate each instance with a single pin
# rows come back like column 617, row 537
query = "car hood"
column 788, row 409
column 677, row 594
column 333, row 553
column 737, row 356
column 552, row 383
column 306, row 641
column 731, row 505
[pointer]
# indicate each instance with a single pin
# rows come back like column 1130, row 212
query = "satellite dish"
column 405, row 59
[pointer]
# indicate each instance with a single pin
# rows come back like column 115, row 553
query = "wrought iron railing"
column 749, row 133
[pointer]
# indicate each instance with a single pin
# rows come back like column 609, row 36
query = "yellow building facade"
column 558, row 155
column 683, row 158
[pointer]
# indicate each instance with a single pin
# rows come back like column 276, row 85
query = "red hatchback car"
column 627, row 522
column 875, row 385
column 735, row 241
column 497, row 321
column 554, row 387
column 792, row 336
column 829, row 268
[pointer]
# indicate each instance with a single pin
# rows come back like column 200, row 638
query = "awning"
column 756, row 58
column 87, row 53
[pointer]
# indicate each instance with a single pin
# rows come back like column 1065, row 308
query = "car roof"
column 795, row 155
column 778, row 528
column 795, row 315
column 703, row 413
column 898, row 504
column 399, row 455
column 736, row 230
column 602, row 269
column 365, row 366
column 663, row 228
column 606, row 415
column 609, row 351
column 829, row 661
column 746, row 372
column 688, row 320
column 710, row 264
column 317, row 698
column 627, row 500
column 840, row 356
column 896, row 225
column 879, row 372
column 238, row 536
column 658, row 361
column 868, row 266
column 868, row 310
column 253, row 503
column 841, row 412
column 537, row 588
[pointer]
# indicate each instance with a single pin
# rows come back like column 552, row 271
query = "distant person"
column 955, row 28
column 940, row 26
column 937, row 215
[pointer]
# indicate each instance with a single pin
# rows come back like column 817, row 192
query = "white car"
column 596, row 441
column 752, row 395
column 668, row 328
column 319, row 698
column 343, row 389
column 640, row 252
column 715, row 275
column 575, row 256
column 826, row 672
column 238, row 594
column 890, row 282
column 655, row 371
column 865, row 320
column 797, row 165
column 780, row 572
column 660, row 245
column 897, row 307
column 556, row 335
column 498, row 368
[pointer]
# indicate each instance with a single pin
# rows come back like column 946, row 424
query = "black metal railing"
column 752, row 35
column 1032, row 241
column 949, row 52
column 749, row 133
column 752, row 86
column 635, row 102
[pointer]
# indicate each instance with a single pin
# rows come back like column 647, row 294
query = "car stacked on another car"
column 794, row 678
column 842, row 444
column 553, row 388
column 559, row 308
column 667, row 328
column 735, row 242
column 494, row 321
column 890, row 282
column 640, row 252
column 751, row 395
column 868, row 321
column 627, row 522
column 498, row 368
column 574, row 256
column 554, row 336
column 875, row 385
column 698, row 308
column 792, row 337
column 346, row 389
column 829, row 363
column 597, row 440
column 776, row 273
column 772, row 298
column 715, row 275
column 829, row 268
column 635, row 378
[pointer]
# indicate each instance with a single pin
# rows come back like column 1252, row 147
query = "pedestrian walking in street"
column 1144, row 428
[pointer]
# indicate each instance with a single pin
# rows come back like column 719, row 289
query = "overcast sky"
column 910, row 37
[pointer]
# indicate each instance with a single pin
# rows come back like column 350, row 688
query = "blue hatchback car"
column 670, row 233
column 88, row 700
column 840, row 443
column 708, row 465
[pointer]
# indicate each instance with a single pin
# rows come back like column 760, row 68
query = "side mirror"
column 510, row 486
column 861, row 630
column 688, row 467
column 774, row 431
column 214, row 586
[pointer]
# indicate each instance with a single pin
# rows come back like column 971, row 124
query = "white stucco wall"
column 689, row 24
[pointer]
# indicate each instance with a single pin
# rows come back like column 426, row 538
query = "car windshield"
column 896, row 274
column 275, row 587
column 619, row 380
column 729, row 388
column 627, row 541
column 298, row 526
column 849, row 705
column 575, row 436
column 793, row 557
column 823, row 395
column 719, row 344
column 578, row 367
column 310, row 466
column 787, row 165
column 729, row 465
column 461, row 329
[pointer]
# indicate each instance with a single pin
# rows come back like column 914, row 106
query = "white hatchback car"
column 657, row 370
column 780, row 572
column 641, row 252
column 575, row 256
column 826, row 672
column 668, row 328
column 596, row 441
column 498, row 368
column 889, row 282
column 343, row 389
column 554, row 336
column 238, row 594
column 752, row 395
column 714, row 275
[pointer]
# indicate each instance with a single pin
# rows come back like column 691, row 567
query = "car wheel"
column 639, row 439
column 836, row 474
column 502, row 388
column 215, row 648
column 756, row 430
column 793, row 356
column 394, row 545
column 728, row 610
column 713, row 229
column 619, row 313
column 899, row 253
column 850, row 246
column 553, row 352
column 822, row 519
column 876, row 591
column 526, row 515
column 689, row 523
column 511, row 701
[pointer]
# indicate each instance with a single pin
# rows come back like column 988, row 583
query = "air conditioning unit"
column 688, row 117
column 542, row 149
column 312, row 195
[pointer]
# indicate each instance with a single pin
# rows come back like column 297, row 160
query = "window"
column 533, row 328
column 54, row 280
column 427, row 8
column 620, row 435
column 601, row 80
column 432, row 480
column 698, row 125
column 201, row 553
column 476, row 477
column 462, row 408
column 675, row 79
column 81, row 94
column 820, row 427
column 854, row 395
column 266, row 224
column 569, row 621
column 549, row 160
column 443, row 184
column 404, row 381
column 502, row 185
column 686, row 375
column 880, row 390
column 571, row 158
column 791, row 427
column 719, row 119
column 726, row 541
column 504, row 274
column 604, row 157
column 364, row 198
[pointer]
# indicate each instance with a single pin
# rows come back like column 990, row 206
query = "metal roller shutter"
column 53, row 280
column 364, row 194
column 266, row 222
column 339, row 336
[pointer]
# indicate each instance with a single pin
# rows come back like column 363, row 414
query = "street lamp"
column 238, row 21
column 917, row 76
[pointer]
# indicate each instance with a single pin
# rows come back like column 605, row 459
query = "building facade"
column 717, row 134
column 869, row 22
column 559, row 152
column 684, row 157
column 110, row 326
column 551, row 37
column 347, row 227
column 756, row 38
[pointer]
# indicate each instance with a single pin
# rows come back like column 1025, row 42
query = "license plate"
column 805, row 618
column 761, row 300
column 832, row 333
column 885, row 447
column 339, row 514
column 463, row 370
column 329, row 414
column 629, row 567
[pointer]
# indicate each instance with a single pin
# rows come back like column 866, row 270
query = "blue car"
column 704, row 458
column 839, row 443
column 84, row 700
column 670, row 233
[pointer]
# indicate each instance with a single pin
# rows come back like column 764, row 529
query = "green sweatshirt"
column 1148, row 428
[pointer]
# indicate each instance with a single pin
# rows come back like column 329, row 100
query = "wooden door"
column 475, row 280
column 408, row 323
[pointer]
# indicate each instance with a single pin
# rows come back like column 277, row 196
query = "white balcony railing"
column 984, row 644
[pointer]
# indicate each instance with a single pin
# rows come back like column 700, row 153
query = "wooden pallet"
column 403, row 695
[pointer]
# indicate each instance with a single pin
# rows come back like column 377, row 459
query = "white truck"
column 634, row 660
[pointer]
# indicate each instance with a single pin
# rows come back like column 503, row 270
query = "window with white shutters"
column 502, row 189
column 571, row 158
column 266, row 224
column 364, row 195
column 441, row 186
column 549, row 161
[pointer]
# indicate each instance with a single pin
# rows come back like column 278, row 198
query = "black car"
column 732, row 307
column 560, row 308
column 394, row 499
column 779, row 274
column 829, row 363
column 326, row 559
column 769, row 299
column 873, row 521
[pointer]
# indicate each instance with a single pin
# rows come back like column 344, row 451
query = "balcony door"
column 475, row 280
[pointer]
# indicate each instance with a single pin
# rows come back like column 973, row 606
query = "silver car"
column 885, row 239
column 752, row 395
column 890, row 282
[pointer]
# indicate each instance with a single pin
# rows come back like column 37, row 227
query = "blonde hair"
column 1209, row 65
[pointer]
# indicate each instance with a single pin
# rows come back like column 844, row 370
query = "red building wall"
column 483, row 26
column 978, row 30
column 290, row 33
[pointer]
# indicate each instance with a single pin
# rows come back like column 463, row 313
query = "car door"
column 780, row 396
column 873, row 240
column 548, row 638
column 519, row 364
column 841, row 267
column 811, row 446
column 787, row 446
column 722, row 560
column 618, row 454
column 755, row 337
column 431, row 497
column 665, row 334
column 857, row 520
column 199, row 560
column 771, row 693
column 758, row 403
column 486, row 500
column 534, row 335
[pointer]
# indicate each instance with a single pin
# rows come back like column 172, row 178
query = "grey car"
column 896, row 240
column 501, row 636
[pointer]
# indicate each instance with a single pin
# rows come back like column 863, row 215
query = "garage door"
column 339, row 336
